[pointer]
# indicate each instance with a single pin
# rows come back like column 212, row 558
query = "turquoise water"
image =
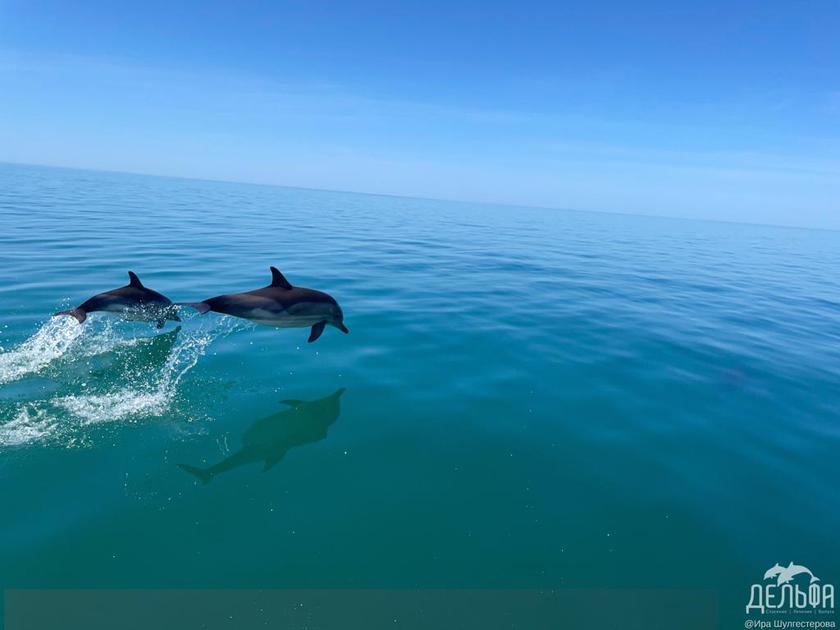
column 531, row 398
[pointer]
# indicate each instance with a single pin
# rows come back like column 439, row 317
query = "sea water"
column 533, row 398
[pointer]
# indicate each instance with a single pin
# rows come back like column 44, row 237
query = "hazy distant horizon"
column 414, row 197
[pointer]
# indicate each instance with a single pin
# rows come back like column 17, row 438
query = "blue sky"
column 721, row 110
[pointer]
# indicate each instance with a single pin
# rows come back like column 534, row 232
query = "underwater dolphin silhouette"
column 133, row 301
column 270, row 438
column 279, row 304
column 786, row 574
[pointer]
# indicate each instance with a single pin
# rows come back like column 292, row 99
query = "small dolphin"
column 133, row 301
column 270, row 438
column 279, row 304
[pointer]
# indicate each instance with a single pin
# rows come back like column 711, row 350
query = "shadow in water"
column 270, row 438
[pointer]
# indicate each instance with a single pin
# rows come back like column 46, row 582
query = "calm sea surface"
column 527, row 398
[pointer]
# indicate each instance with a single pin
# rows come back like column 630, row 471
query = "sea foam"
column 50, row 342
column 147, row 390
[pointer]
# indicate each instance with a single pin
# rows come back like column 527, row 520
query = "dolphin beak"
column 342, row 327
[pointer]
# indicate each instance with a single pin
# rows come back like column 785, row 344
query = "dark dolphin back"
column 279, row 295
column 134, row 294
column 144, row 293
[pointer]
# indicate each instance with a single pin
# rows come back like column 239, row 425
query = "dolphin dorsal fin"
column 279, row 280
column 134, row 280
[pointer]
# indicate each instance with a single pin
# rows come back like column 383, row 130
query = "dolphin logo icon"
column 786, row 574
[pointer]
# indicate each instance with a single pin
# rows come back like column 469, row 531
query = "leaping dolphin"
column 279, row 304
column 133, row 301
column 269, row 439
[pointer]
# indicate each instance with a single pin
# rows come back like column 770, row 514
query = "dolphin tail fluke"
column 317, row 329
column 78, row 313
column 201, row 473
column 201, row 307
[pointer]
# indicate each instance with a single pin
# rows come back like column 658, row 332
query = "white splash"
column 141, row 394
column 30, row 424
column 152, row 398
column 58, row 338
column 49, row 343
column 117, row 405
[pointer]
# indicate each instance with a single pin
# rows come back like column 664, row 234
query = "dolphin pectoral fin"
column 201, row 307
column 317, row 329
column 292, row 402
column 202, row 473
column 78, row 313
column 160, row 323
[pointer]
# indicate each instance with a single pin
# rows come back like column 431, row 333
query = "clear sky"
column 723, row 110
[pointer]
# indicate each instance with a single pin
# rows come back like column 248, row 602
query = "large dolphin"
column 133, row 301
column 270, row 438
column 279, row 304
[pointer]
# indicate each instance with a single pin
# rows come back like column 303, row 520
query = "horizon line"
column 420, row 198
